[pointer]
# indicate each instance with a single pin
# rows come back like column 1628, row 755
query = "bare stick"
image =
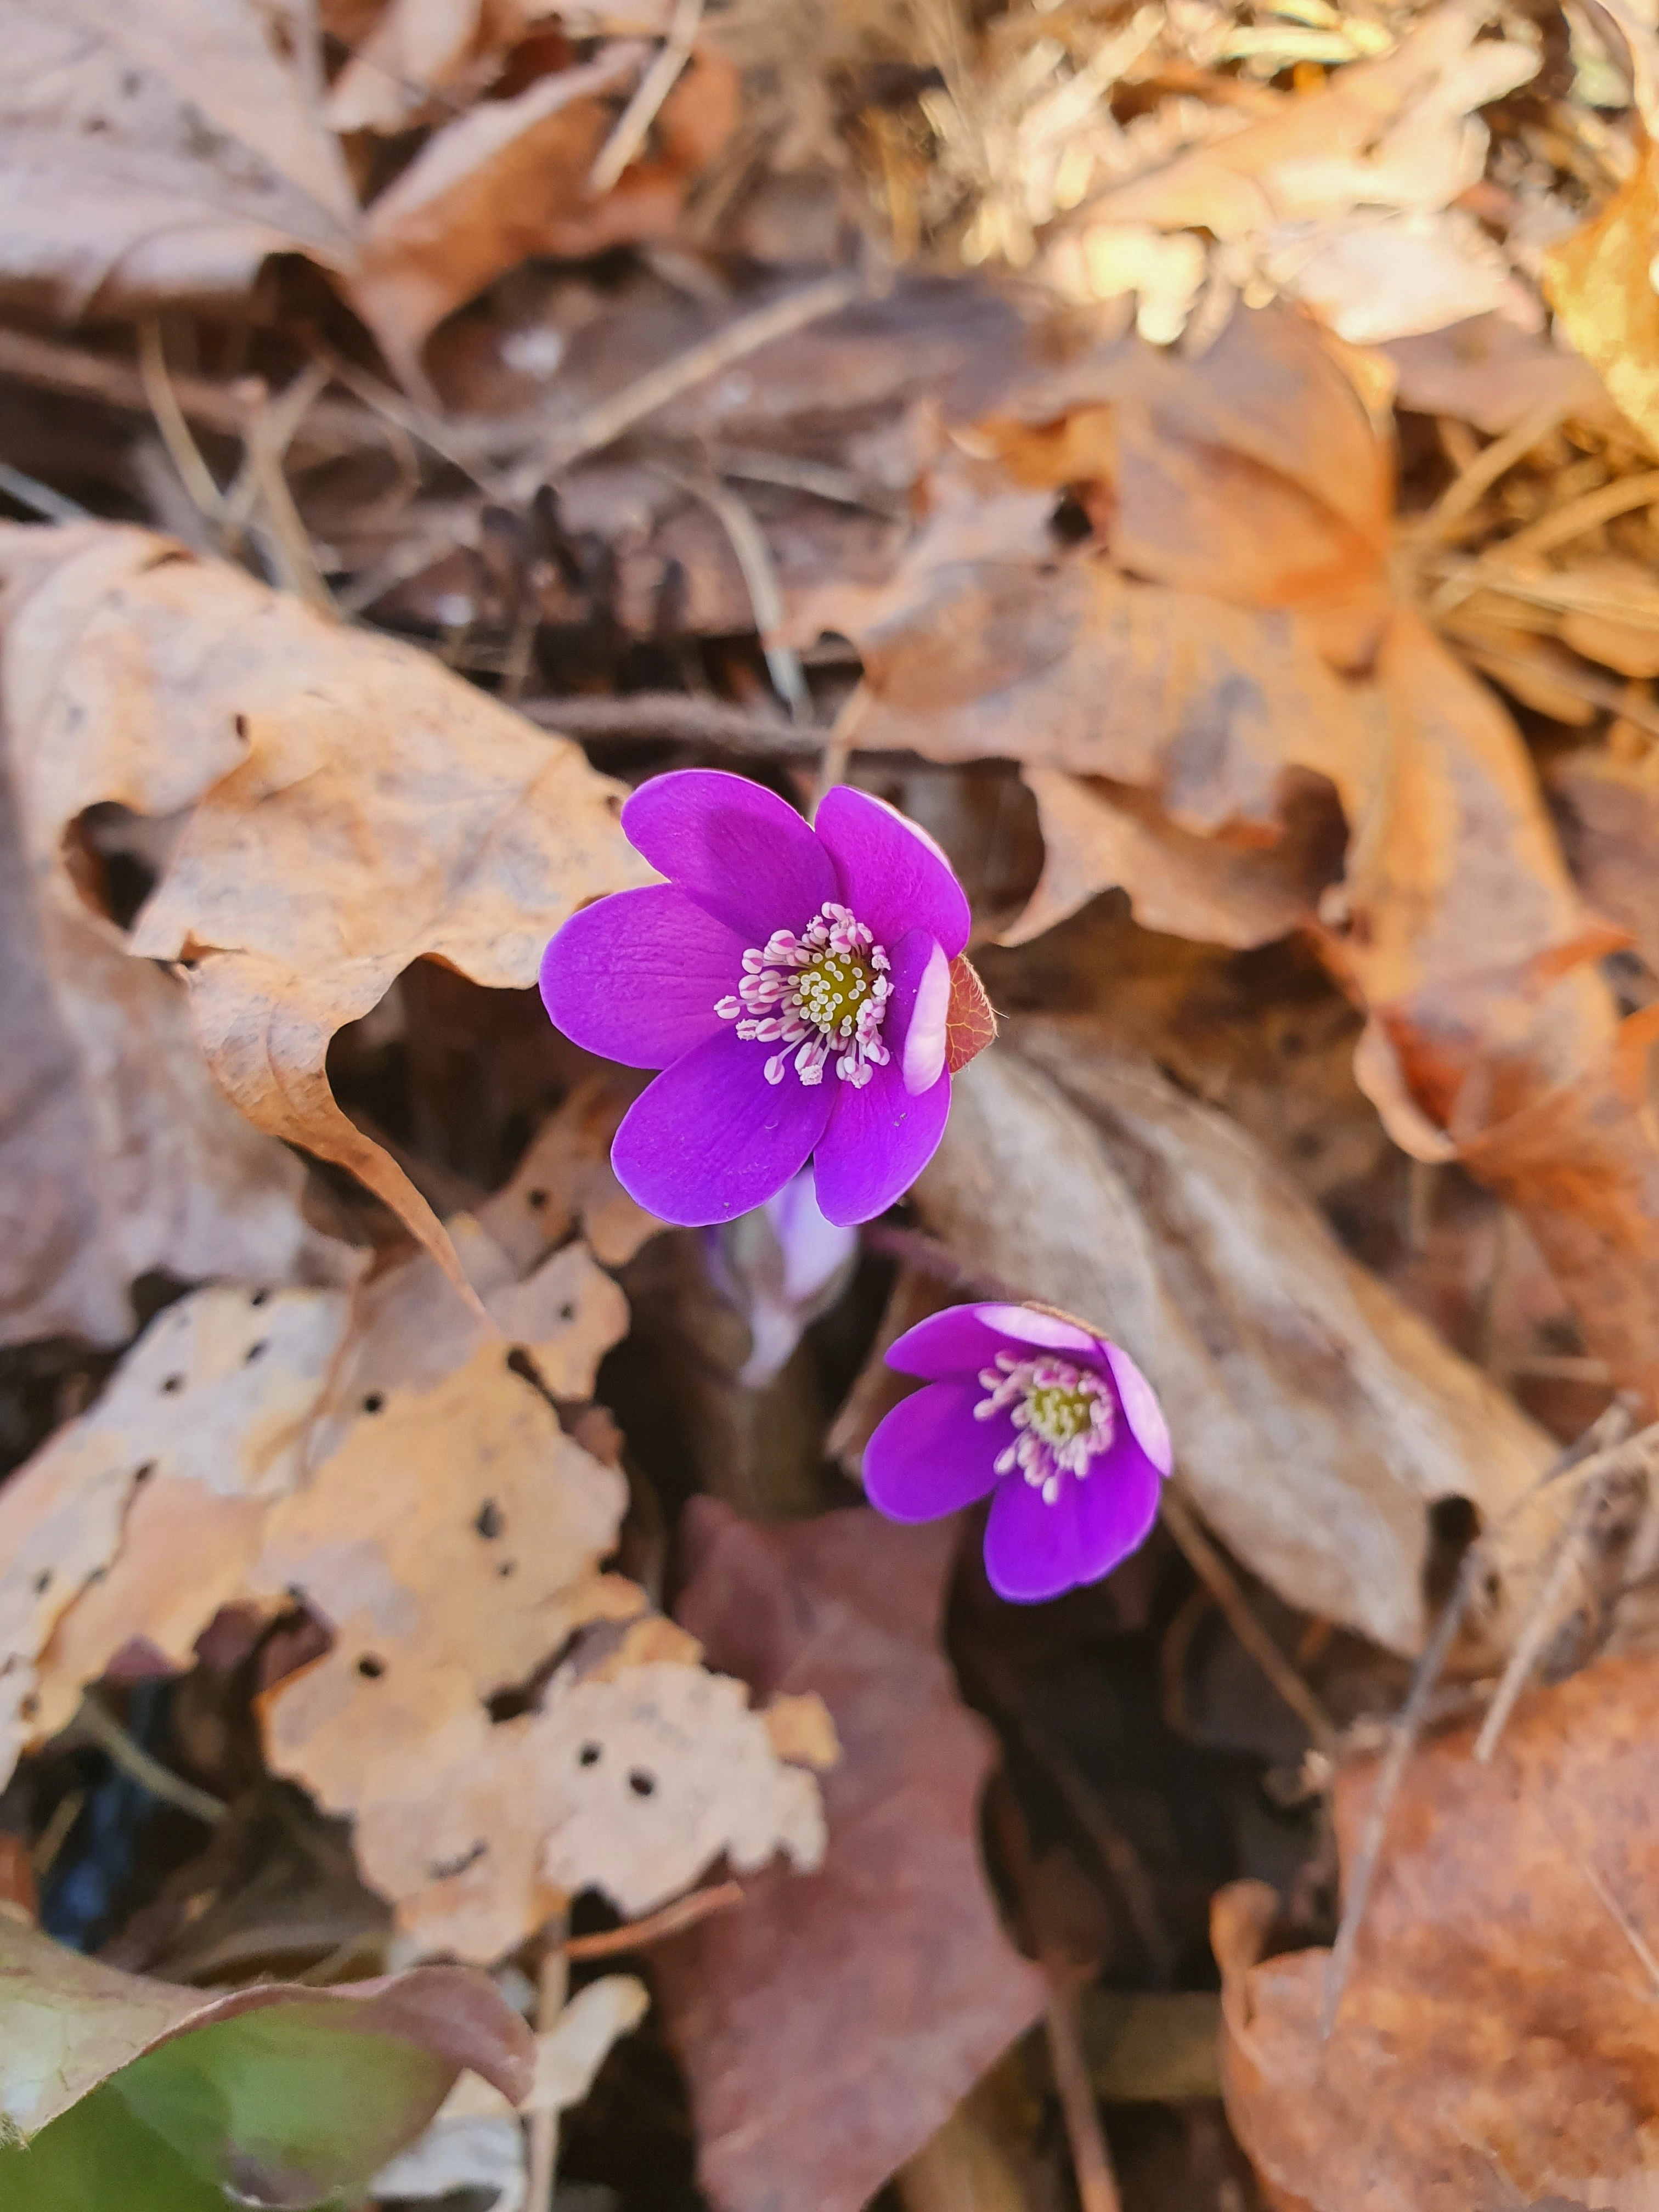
column 602, row 424
column 760, row 577
column 1462, row 496
column 1408, row 1726
column 676, row 716
column 1091, row 2161
column 184, row 453
column 1217, row 1579
column 40, row 499
column 634, row 1935
column 553, row 1982
column 654, row 86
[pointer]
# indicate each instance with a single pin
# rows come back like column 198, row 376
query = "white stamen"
column 829, row 987
column 1063, row 1415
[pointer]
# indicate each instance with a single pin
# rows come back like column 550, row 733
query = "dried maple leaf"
column 159, row 151
column 1315, row 1419
column 346, row 805
column 1496, row 2039
column 832, row 2024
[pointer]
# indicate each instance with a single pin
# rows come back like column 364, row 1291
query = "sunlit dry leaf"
column 1489, row 373
column 347, row 806
column 1315, row 1419
column 1599, row 284
column 510, row 180
column 158, row 152
column 914, row 1989
column 1499, row 2020
column 208, row 1414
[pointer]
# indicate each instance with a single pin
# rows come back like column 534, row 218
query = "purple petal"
column 954, row 1342
column 1140, row 1408
column 920, row 1006
column 878, row 1141
column 1031, row 1550
column 929, row 1457
column 737, row 850
column 1113, row 1506
column 1025, row 1325
column 636, row 977
column 892, row 874
column 712, row 1138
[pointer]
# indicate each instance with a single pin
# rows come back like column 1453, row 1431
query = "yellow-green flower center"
column 1059, row 1414
column 833, row 987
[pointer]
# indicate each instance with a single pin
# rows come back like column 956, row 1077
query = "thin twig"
column 1213, row 1570
column 97, row 1721
column 1584, row 683
column 601, row 425
column 553, row 1982
column 672, row 1920
column 1636, row 1456
column 1091, row 2161
column 760, row 577
column 678, row 717
column 1615, row 1911
column 183, row 451
column 40, row 499
column 641, row 112
column 1584, row 1453
column 1466, row 491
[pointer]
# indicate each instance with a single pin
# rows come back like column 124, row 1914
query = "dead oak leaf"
column 832, row 2024
column 1500, row 2019
column 347, row 806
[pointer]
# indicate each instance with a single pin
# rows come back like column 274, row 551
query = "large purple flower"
column 793, row 984
column 1061, row 1425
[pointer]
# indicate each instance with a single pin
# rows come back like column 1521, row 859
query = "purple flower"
column 1061, row 1425
column 793, row 984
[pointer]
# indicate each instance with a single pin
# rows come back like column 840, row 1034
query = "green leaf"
column 134, row 2094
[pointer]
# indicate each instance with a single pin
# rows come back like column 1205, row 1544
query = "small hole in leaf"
column 588, row 1755
column 29, row 1707
column 567, row 1311
column 259, row 1297
column 254, row 1351
column 144, row 1473
column 43, row 1581
column 374, row 1401
column 535, row 1199
column 641, row 1783
column 370, row 1667
column 490, row 1523
column 173, row 1383
column 505, row 1569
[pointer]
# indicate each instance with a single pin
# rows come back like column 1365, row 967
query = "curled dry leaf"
column 916, row 1989
column 1598, row 283
column 476, row 2142
column 345, row 806
column 1315, row 1419
column 1496, row 2041
column 156, row 153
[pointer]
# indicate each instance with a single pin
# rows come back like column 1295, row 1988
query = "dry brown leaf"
column 414, row 50
column 915, row 1989
column 1100, row 836
column 1598, row 283
column 1488, row 371
column 1613, row 835
column 212, row 1405
column 1315, row 1419
column 508, row 180
column 1497, row 2040
column 119, row 1152
column 347, row 806
column 158, row 152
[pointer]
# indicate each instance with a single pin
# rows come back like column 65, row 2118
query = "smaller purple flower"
column 1060, row 1424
